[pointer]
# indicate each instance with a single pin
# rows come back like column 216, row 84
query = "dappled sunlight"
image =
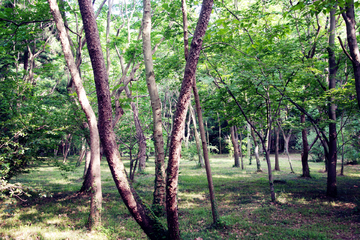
column 191, row 200
column 231, row 176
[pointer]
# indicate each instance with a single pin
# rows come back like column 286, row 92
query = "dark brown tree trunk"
column 277, row 166
column 96, row 196
column 332, row 159
column 179, row 120
column 305, row 150
column 215, row 213
column 159, row 186
column 235, row 145
column 149, row 223
column 349, row 17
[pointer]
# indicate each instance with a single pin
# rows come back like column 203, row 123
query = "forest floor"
column 302, row 210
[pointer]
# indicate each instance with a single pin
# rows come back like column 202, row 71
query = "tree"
column 139, row 211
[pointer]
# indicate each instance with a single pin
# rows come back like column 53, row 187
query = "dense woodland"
column 172, row 81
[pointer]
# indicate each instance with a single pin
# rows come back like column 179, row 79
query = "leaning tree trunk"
column 179, row 120
column 214, row 209
column 305, row 150
column 332, row 159
column 144, row 217
column 96, row 196
column 159, row 187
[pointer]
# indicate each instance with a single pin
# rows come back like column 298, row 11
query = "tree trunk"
column 349, row 17
column 277, row 166
column 149, row 223
column 87, row 163
column 248, row 143
column 96, row 196
column 215, row 213
column 271, row 182
column 236, row 146
column 179, row 120
column 219, row 134
column 66, row 147
column 286, row 146
column 82, row 152
column 197, row 139
column 159, row 186
column 305, row 150
column 332, row 159
column 256, row 152
column 240, row 149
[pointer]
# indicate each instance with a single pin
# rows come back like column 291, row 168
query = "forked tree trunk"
column 179, row 120
column 235, row 145
column 96, row 196
column 159, row 186
column 144, row 217
column 66, row 147
column 286, row 146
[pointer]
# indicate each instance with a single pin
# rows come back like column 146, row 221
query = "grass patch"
column 302, row 211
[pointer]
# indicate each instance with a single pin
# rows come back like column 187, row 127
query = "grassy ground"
column 302, row 210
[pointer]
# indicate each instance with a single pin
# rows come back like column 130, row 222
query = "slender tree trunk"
column 240, row 149
column 235, row 145
column 219, row 134
column 342, row 146
column 108, row 22
column 305, row 151
column 187, row 136
column 96, row 196
column 66, row 148
column 271, row 182
column 87, row 163
column 159, row 186
column 179, row 120
column 249, row 143
column 286, row 146
column 277, row 166
column 349, row 17
column 149, row 223
column 256, row 152
column 331, row 180
column 197, row 139
column 82, row 152
column 214, row 209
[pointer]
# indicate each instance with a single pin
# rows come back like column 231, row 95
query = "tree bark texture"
column 305, row 150
column 159, row 186
column 143, row 216
column 332, row 157
column 179, row 120
column 214, row 209
column 96, row 198
column 349, row 17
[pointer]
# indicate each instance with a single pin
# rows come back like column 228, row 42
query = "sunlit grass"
column 302, row 210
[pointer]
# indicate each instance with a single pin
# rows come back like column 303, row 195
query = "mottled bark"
column 96, row 196
column 159, row 186
column 214, row 209
column 179, row 120
column 149, row 223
